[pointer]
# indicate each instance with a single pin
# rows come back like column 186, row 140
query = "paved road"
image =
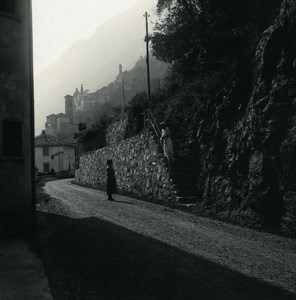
column 198, row 257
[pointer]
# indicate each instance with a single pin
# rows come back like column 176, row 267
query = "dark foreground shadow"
column 94, row 259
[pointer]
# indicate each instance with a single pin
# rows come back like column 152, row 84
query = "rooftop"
column 48, row 140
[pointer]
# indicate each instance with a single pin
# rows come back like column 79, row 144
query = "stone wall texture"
column 245, row 143
column 139, row 169
column 116, row 131
column 247, row 148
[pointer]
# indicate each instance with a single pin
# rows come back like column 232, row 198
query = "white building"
column 53, row 155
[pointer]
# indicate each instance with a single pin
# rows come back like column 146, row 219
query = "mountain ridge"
column 92, row 61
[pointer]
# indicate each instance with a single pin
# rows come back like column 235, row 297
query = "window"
column 45, row 167
column 12, row 138
column 45, row 151
column 7, row 6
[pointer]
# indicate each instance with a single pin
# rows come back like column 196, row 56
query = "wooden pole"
column 147, row 56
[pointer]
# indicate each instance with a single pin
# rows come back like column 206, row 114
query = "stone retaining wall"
column 139, row 169
column 116, row 131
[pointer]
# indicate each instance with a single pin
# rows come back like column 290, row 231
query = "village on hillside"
column 84, row 108
column 169, row 176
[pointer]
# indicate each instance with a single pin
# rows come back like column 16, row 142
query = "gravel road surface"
column 155, row 252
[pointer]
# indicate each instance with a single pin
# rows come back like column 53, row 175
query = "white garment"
column 167, row 143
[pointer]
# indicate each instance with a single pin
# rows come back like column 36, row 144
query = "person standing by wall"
column 111, row 180
column 167, row 143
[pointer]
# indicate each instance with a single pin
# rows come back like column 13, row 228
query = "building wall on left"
column 17, row 203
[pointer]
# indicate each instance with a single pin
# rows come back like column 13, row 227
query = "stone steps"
column 181, row 169
column 184, row 186
column 187, row 200
column 184, row 181
column 185, row 193
column 189, row 177
column 182, row 177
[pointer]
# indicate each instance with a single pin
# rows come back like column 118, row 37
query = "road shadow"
column 94, row 259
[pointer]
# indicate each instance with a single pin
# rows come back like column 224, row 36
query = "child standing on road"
column 111, row 180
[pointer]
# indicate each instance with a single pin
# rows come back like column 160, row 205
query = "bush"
column 94, row 137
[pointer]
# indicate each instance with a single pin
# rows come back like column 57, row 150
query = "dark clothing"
column 111, row 181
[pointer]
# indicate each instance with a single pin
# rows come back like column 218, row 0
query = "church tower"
column 69, row 106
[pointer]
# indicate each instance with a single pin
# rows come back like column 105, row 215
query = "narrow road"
column 178, row 255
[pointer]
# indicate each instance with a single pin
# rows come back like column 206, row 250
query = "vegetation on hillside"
column 93, row 137
column 206, row 37
column 229, row 100
column 123, row 89
column 209, row 46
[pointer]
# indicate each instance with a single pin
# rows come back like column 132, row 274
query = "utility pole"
column 123, row 94
column 147, row 55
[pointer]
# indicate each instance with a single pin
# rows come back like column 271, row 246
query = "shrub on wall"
column 94, row 137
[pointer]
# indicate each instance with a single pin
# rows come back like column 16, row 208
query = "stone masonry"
column 116, row 131
column 139, row 169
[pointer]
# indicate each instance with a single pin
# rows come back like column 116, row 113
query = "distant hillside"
column 93, row 62
column 132, row 82
column 135, row 80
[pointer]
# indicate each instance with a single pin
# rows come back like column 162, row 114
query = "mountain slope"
column 93, row 62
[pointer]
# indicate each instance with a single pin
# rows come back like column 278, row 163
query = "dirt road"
column 155, row 252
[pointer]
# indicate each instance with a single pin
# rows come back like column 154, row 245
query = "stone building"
column 84, row 101
column 102, row 95
column 69, row 109
column 78, row 99
column 53, row 155
column 62, row 124
column 17, row 205
column 59, row 123
column 119, row 77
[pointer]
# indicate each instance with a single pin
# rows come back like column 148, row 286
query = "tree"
column 207, row 36
column 176, row 39
column 94, row 137
column 81, row 126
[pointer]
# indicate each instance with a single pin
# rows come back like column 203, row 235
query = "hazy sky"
column 57, row 24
